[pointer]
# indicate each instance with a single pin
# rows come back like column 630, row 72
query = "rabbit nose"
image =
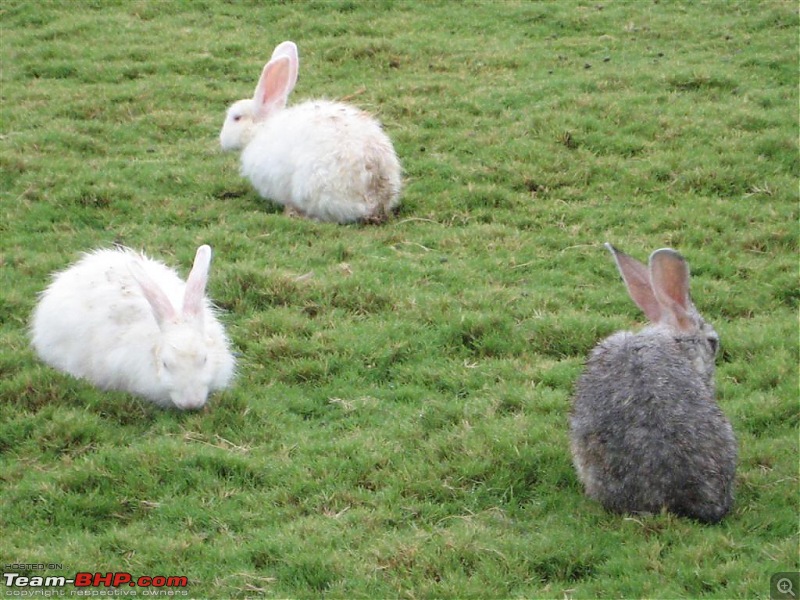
column 192, row 399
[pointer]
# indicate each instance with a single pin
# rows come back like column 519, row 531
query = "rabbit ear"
column 196, row 284
column 669, row 276
column 637, row 280
column 277, row 80
column 289, row 50
column 155, row 296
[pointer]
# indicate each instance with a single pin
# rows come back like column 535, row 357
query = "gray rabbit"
column 646, row 432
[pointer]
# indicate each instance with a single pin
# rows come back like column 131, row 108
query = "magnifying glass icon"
column 784, row 586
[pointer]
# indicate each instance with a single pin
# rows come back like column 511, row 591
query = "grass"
column 398, row 427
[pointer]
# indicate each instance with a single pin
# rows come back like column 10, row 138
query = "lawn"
column 398, row 427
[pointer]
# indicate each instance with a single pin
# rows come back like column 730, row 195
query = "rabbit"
column 126, row 322
column 646, row 433
column 323, row 160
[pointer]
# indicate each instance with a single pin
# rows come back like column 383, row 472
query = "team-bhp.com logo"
column 156, row 585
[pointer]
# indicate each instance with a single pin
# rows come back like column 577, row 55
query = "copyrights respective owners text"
column 30, row 584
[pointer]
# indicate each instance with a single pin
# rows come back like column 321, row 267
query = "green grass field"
column 398, row 427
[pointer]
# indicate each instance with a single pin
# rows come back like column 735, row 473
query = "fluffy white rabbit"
column 126, row 322
column 323, row 160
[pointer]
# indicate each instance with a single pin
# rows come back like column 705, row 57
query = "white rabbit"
column 323, row 160
column 126, row 322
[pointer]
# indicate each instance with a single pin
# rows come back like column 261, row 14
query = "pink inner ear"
column 289, row 50
column 637, row 281
column 193, row 298
column 156, row 298
column 274, row 86
column 669, row 274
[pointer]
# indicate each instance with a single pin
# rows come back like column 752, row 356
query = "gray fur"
column 646, row 432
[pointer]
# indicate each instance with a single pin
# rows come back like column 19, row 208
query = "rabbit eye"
column 714, row 343
column 237, row 118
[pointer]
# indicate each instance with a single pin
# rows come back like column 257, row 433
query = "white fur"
column 325, row 160
column 126, row 322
